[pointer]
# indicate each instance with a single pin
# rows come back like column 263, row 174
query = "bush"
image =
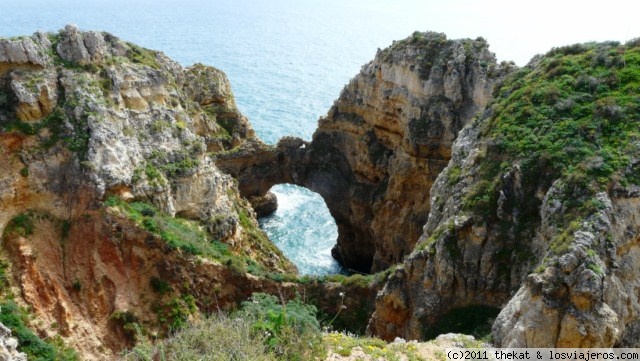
column 291, row 329
column 265, row 329
column 176, row 312
column 21, row 224
column 218, row 337
column 36, row 349
column 128, row 321
column 159, row 286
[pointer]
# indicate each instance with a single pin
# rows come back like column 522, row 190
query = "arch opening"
column 303, row 229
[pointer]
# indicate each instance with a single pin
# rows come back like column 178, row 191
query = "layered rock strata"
column 87, row 117
column 377, row 152
column 535, row 216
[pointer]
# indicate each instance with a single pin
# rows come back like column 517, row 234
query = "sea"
column 287, row 62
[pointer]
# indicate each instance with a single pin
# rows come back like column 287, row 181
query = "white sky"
column 517, row 30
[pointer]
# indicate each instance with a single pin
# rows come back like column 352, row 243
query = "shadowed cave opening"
column 475, row 320
column 303, row 229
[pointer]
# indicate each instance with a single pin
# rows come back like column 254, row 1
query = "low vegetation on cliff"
column 571, row 114
column 535, row 209
column 266, row 328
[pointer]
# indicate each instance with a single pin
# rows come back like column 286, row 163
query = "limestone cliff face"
column 376, row 154
column 99, row 281
column 121, row 120
column 118, row 211
column 87, row 117
column 533, row 216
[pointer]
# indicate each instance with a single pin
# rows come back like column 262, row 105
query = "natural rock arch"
column 379, row 149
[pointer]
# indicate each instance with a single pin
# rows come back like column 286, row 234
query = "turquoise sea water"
column 287, row 62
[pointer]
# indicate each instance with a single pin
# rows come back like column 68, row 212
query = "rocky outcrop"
column 87, row 117
column 532, row 216
column 264, row 205
column 138, row 131
column 102, row 282
column 588, row 296
column 24, row 52
column 118, row 221
column 460, row 261
column 376, row 154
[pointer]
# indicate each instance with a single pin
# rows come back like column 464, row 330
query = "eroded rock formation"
column 86, row 117
column 534, row 214
column 534, row 217
column 376, row 154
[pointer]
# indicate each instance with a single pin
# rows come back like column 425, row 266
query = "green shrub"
column 454, row 175
column 573, row 117
column 377, row 349
column 139, row 55
column 65, row 228
column 36, row 349
column 291, row 329
column 218, row 337
column 128, row 321
column 159, row 286
column 175, row 313
column 76, row 285
column 21, row 224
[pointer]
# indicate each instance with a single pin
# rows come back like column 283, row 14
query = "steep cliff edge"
column 532, row 222
column 112, row 211
column 376, row 154
column 536, row 214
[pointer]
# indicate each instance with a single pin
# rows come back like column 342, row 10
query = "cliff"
column 116, row 223
column 535, row 215
column 524, row 214
column 484, row 193
column 375, row 155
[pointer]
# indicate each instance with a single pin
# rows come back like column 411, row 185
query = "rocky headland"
column 130, row 188
column 489, row 190
column 376, row 154
column 114, row 215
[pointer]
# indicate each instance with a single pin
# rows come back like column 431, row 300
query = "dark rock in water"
column 264, row 205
